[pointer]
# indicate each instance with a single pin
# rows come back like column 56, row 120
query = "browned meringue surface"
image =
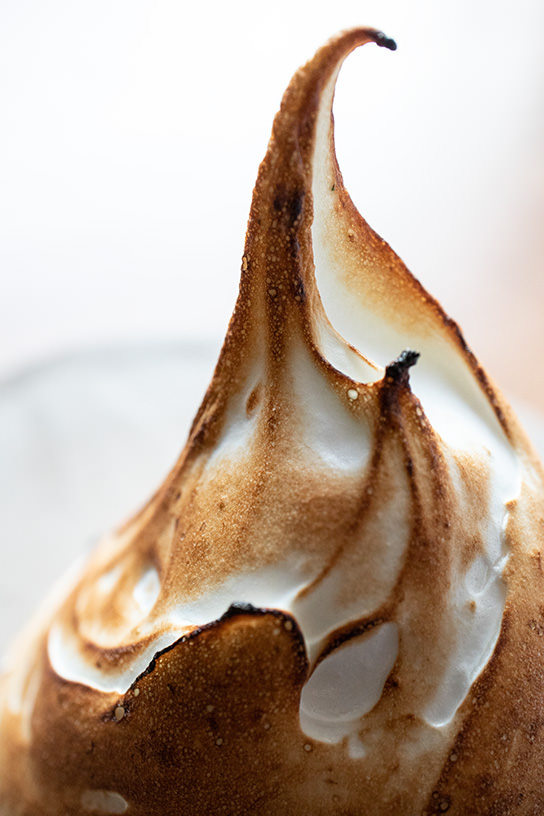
column 333, row 603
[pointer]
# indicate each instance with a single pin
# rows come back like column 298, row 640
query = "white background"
column 131, row 132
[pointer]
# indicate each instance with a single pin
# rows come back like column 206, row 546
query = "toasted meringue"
column 333, row 603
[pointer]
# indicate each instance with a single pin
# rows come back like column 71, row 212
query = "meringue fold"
column 333, row 601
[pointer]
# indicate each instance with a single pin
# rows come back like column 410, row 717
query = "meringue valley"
column 333, row 603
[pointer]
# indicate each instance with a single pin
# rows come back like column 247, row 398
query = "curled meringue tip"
column 385, row 42
column 399, row 369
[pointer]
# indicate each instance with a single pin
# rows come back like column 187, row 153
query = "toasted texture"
column 333, row 604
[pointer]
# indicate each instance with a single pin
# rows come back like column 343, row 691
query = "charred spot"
column 349, row 632
column 398, row 371
column 153, row 662
column 295, row 248
column 212, row 723
column 396, row 381
column 240, row 608
column 289, row 204
column 252, row 400
column 441, row 802
column 478, row 371
column 258, row 715
column 385, row 42
column 300, row 291
column 392, row 682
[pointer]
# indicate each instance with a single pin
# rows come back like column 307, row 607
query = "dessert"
column 333, row 603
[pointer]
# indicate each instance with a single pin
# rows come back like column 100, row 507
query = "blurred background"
column 131, row 132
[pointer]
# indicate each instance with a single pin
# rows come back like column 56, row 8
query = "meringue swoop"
column 335, row 602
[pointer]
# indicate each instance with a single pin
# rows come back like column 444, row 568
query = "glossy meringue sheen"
column 333, row 605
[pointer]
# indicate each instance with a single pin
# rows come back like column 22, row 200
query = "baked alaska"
column 335, row 602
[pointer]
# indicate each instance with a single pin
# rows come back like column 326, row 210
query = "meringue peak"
column 315, row 274
column 385, row 41
column 324, row 601
column 399, row 370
